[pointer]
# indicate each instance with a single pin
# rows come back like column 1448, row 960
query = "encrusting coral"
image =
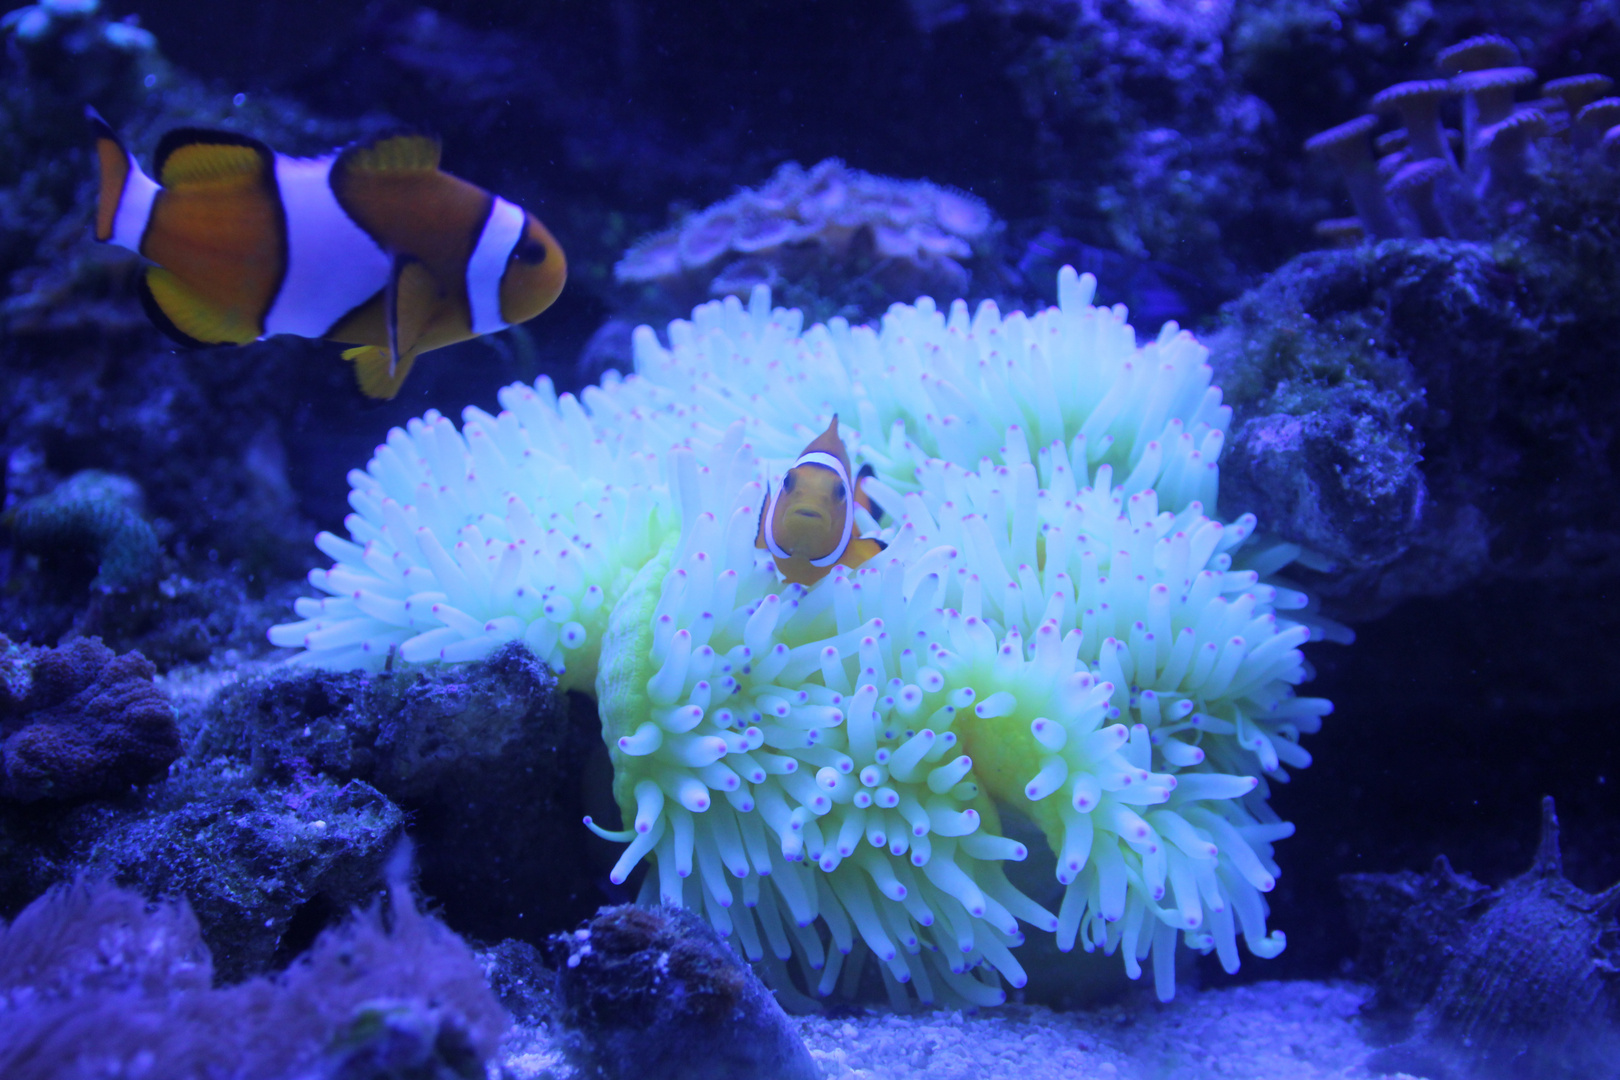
column 80, row 722
column 907, row 236
column 1059, row 626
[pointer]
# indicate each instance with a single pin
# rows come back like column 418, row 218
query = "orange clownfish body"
column 372, row 245
column 808, row 523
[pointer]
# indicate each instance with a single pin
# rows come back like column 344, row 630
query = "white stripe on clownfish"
column 321, row 239
column 826, row 461
column 502, row 230
column 134, row 206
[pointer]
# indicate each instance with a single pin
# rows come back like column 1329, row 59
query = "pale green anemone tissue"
column 1060, row 627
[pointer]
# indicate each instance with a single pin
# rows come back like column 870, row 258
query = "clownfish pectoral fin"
column 859, row 551
column 186, row 317
column 377, row 373
column 410, row 301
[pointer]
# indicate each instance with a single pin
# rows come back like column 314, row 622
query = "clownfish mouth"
column 806, row 512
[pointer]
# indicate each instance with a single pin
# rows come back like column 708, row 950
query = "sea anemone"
column 1060, row 627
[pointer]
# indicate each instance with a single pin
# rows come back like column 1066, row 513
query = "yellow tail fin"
column 371, row 370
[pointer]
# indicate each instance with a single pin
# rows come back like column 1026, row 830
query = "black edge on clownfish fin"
column 188, row 315
column 204, row 140
column 161, row 320
column 759, row 534
column 391, row 313
column 865, row 500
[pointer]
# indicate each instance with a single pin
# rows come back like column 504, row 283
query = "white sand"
column 1267, row 1031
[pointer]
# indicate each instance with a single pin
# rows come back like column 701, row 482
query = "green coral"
column 98, row 514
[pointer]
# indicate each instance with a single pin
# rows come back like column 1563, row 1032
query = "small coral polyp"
column 1059, row 628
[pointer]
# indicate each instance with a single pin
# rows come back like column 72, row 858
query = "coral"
column 96, row 514
column 1498, row 983
column 1438, row 195
column 90, row 724
column 805, row 229
column 1057, row 600
column 486, row 759
column 655, row 991
column 96, row 982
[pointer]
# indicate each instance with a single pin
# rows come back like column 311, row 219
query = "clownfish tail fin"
column 375, row 370
column 124, row 195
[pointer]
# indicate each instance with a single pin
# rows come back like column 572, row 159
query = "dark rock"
column 1518, row 983
column 89, row 723
column 487, row 759
column 656, row 992
column 264, row 865
column 92, row 974
column 518, row 974
column 1420, row 415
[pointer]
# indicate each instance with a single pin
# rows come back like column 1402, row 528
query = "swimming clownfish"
column 808, row 523
column 371, row 245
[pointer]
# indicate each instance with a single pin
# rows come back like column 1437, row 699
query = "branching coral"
column 1060, row 627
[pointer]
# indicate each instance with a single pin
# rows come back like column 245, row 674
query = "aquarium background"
column 1435, row 417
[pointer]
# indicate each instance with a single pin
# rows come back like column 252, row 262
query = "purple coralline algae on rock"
column 79, row 722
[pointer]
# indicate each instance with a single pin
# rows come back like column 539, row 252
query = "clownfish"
column 808, row 523
column 371, row 245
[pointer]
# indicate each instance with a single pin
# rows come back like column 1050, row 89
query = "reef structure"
column 1060, row 627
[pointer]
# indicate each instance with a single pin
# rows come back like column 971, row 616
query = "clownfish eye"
column 840, row 491
column 529, row 250
column 787, row 482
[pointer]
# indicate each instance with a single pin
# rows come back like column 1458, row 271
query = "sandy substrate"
column 1268, row 1031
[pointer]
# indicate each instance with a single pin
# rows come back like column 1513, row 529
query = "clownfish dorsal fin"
column 186, row 317
column 828, row 442
column 376, row 372
column 404, row 152
column 196, row 156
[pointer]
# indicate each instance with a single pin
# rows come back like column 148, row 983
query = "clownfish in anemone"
column 808, row 521
column 372, row 246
